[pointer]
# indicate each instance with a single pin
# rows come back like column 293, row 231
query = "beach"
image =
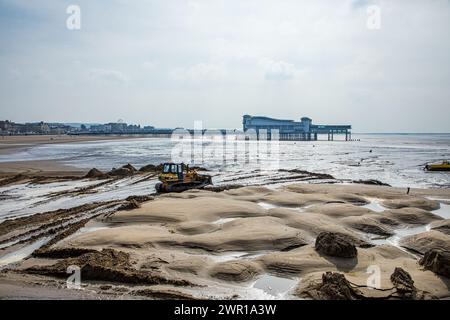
column 284, row 234
column 10, row 144
column 16, row 144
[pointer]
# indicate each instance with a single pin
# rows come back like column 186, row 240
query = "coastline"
column 13, row 144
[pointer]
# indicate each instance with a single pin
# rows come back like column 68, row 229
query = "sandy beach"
column 243, row 243
column 10, row 144
column 14, row 144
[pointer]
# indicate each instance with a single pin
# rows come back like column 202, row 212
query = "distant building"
column 10, row 128
column 117, row 127
column 293, row 130
column 6, row 126
column 98, row 128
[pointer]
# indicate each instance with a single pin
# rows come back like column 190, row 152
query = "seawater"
column 397, row 159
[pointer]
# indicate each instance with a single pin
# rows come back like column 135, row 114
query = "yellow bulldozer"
column 178, row 177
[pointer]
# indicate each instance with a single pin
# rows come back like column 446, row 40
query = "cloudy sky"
column 169, row 63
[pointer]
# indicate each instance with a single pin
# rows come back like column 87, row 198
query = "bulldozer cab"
column 174, row 168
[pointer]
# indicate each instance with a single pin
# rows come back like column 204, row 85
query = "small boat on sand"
column 444, row 166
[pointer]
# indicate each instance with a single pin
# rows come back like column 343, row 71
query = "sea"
column 395, row 159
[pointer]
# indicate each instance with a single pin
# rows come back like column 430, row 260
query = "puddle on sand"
column 374, row 205
column 233, row 255
column 275, row 286
column 400, row 234
column 22, row 253
column 443, row 211
column 268, row 206
column 224, row 220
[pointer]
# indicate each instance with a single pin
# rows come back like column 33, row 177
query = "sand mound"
column 196, row 227
column 167, row 209
column 121, row 172
column 95, row 173
column 411, row 216
column 442, row 226
column 426, row 241
column 420, row 203
column 249, row 191
column 191, row 264
column 306, row 260
column 151, row 168
column 129, row 167
column 314, row 223
column 250, row 234
column 351, row 198
column 126, row 170
column 292, row 199
column 337, row 210
column 381, row 192
column 106, row 265
column 130, row 205
column 300, row 261
column 367, row 225
column 237, row 271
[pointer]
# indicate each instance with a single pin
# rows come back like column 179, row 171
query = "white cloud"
column 277, row 70
column 200, row 72
column 113, row 76
column 149, row 64
column 194, row 5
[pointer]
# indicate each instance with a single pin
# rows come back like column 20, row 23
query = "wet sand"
column 10, row 144
column 248, row 242
column 13, row 144
column 38, row 167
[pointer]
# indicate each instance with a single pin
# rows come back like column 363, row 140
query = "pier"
column 290, row 130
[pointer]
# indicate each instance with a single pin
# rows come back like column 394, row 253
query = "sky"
column 169, row 63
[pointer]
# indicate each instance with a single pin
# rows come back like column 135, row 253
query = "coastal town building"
column 291, row 129
column 11, row 128
column 39, row 128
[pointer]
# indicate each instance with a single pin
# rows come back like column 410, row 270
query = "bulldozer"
column 178, row 177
